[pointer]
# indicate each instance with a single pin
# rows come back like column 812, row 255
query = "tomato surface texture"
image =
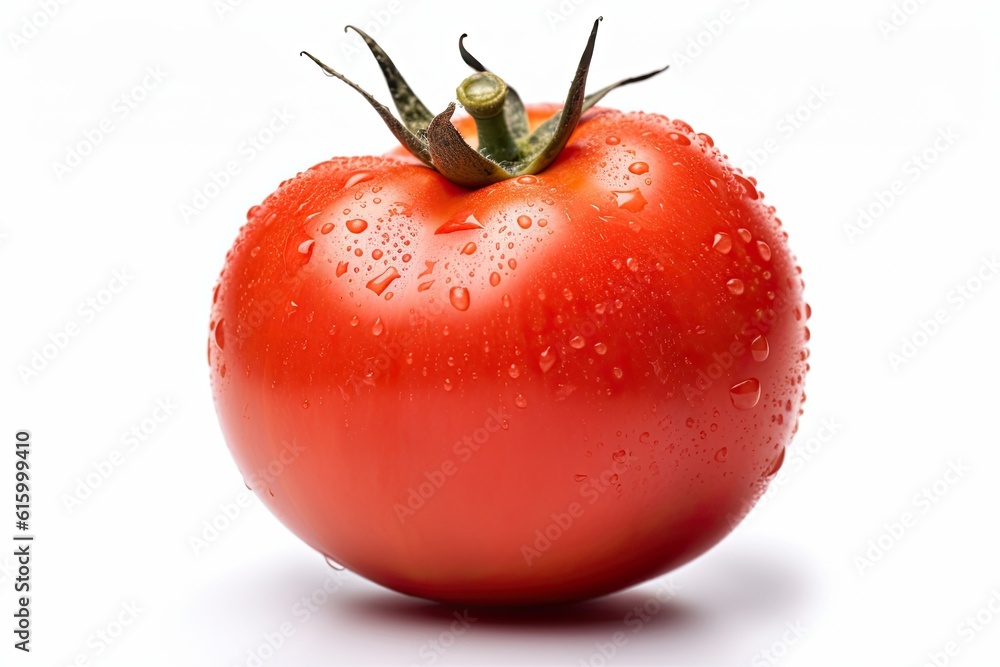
column 541, row 390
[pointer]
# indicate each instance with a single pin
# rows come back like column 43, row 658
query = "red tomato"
column 541, row 390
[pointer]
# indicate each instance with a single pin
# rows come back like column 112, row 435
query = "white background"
column 875, row 433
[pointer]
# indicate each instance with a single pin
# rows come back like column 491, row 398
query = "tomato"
column 540, row 390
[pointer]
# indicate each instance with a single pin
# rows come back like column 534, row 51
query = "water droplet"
column 632, row 264
column 735, row 286
column 512, row 263
column 744, row 234
column 638, row 168
column 459, row 297
column 527, row 180
column 764, row 250
column 460, row 222
column 680, row 139
column 423, row 287
column 407, row 257
column 619, row 456
column 618, row 372
column 579, row 477
column 523, row 221
column 357, row 177
column 547, row 359
column 356, row 226
column 721, row 455
column 600, row 348
column 612, row 140
column 630, row 200
column 376, row 254
column 809, row 311
column 514, row 371
column 746, row 394
column 255, row 251
column 220, row 334
column 334, row 564
column 305, row 404
column 723, row 243
column 469, row 248
column 378, row 327
column 577, row 342
column 379, row 283
column 358, row 252
column 689, row 422
column 505, row 300
column 542, row 222
column 775, row 466
column 448, row 386
column 747, row 186
column 520, row 401
column 706, row 138
column 327, row 228
column 354, row 321
column 759, row 348
column 222, row 370
column 428, row 269
column 341, row 268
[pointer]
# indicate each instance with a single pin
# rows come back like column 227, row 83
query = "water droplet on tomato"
column 514, row 371
column 520, row 401
column 357, row 177
column 706, row 138
column 747, row 186
column 579, row 477
column 379, row 283
column 638, row 168
column 618, row 372
column 746, row 394
column 547, row 359
column 735, row 286
column 775, row 466
column 629, row 200
column 527, row 180
column 334, row 564
column 305, row 404
column 542, row 222
column 722, row 243
column 356, row 226
column 428, row 269
column 327, row 228
column 680, row 139
column 376, row 254
column 469, row 248
column 744, row 234
column 448, row 385
column 424, row 286
column 505, row 300
column 612, row 140
column 722, row 455
column 523, row 221
column 600, row 348
column 459, row 297
column 494, row 279
column 354, row 321
column 460, row 222
column 577, row 342
column 764, row 250
column 619, row 456
column 341, row 268
column 255, row 251
column 378, row 327
column 220, row 334
column 759, row 348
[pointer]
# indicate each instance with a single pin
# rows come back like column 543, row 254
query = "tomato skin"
column 564, row 412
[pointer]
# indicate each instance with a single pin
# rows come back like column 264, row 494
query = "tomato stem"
column 484, row 95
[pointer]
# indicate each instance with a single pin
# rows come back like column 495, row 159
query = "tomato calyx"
column 507, row 147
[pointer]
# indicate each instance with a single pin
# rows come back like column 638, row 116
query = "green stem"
column 483, row 95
